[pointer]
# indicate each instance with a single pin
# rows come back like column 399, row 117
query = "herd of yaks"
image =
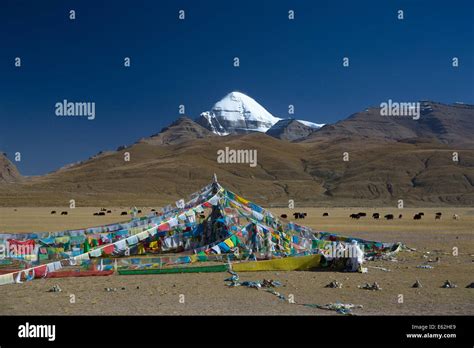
column 297, row 215
column 375, row 216
column 391, row 216
column 101, row 212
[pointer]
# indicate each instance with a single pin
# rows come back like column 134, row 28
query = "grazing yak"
column 389, row 216
column 362, row 214
column 354, row 216
column 299, row 215
column 53, row 212
column 124, row 213
column 284, row 216
column 438, row 217
column 109, row 211
column 64, row 213
column 376, row 215
column 325, row 214
column 417, row 217
column 400, row 216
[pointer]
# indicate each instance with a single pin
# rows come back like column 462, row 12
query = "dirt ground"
column 207, row 294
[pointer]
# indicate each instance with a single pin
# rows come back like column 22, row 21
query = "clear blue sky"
column 190, row 62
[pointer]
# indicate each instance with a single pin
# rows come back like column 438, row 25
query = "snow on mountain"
column 238, row 113
column 312, row 124
column 209, row 120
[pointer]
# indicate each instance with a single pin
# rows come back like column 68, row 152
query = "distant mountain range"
column 389, row 158
column 447, row 124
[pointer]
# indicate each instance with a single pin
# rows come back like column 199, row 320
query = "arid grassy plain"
column 206, row 294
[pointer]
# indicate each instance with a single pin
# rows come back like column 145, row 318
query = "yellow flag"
column 241, row 200
column 229, row 243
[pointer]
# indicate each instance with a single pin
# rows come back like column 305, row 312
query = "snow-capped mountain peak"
column 238, row 105
column 238, row 113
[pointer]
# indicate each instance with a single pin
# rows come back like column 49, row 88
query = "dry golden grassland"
column 207, row 293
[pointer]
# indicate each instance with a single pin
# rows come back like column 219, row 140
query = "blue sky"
column 189, row 62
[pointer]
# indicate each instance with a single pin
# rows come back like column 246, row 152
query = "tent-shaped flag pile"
column 215, row 227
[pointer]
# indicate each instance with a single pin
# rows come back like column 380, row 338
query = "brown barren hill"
column 182, row 130
column 158, row 174
column 383, row 172
column 8, row 172
column 290, row 129
column 309, row 173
